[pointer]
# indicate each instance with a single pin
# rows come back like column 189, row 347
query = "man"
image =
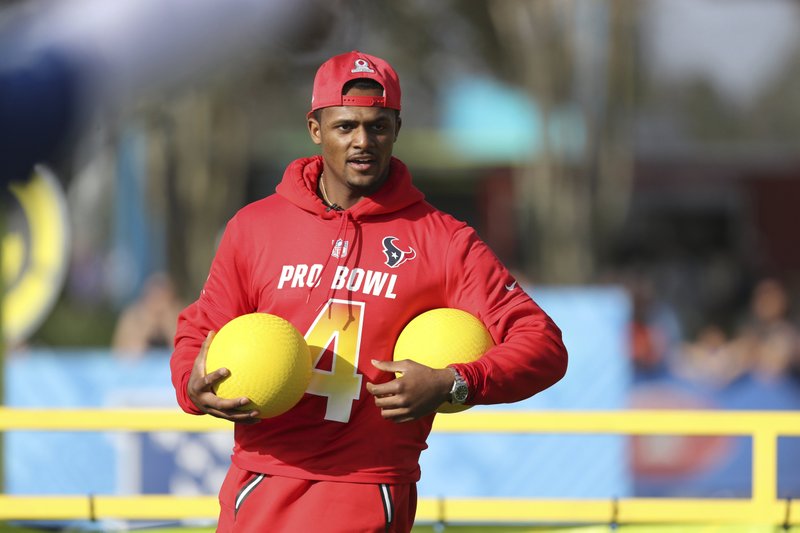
column 349, row 252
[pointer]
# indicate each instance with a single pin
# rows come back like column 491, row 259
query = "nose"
column 361, row 137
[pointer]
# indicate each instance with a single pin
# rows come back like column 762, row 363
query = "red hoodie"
column 379, row 264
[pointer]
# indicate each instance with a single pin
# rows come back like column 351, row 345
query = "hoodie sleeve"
column 225, row 295
column 529, row 354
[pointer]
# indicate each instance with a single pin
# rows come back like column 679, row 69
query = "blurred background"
column 635, row 163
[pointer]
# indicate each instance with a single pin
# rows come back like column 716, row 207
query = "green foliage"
column 71, row 324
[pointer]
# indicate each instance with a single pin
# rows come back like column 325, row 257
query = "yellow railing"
column 763, row 507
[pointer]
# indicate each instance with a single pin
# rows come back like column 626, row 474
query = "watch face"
column 460, row 393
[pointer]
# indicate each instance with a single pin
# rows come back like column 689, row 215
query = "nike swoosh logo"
column 511, row 287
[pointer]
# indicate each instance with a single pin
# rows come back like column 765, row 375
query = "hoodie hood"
column 299, row 186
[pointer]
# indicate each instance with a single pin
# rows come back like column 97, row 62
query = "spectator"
column 768, row 339
column 150, row 321
column 710, row 359
column 654, row 331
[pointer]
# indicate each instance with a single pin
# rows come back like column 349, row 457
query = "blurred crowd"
column 761, row 341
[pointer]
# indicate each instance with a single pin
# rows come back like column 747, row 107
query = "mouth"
column 362, row 163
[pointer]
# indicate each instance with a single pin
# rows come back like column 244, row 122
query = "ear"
column 315, row 130
column 397, row 127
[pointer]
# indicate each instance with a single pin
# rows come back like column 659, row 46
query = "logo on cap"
column 362, row 65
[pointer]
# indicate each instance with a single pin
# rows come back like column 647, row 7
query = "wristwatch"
column 460, row 390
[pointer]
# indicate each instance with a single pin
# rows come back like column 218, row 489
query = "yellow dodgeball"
column 441, row 337
column 268, row 359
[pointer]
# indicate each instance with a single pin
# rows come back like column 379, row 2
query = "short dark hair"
column 364, row 84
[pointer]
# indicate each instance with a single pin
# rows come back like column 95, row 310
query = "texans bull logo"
column 394, row 255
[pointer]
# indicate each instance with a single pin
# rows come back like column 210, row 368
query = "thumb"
column 200, row 360
column 207, row 343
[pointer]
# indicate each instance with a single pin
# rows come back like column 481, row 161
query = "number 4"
column 338, row 323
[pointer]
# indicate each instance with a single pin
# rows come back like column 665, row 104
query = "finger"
column 373, row 389
column 240, row 417
column 248, row 421
column 233, row 404
column 234, row 409
column 389, row 401
column 396, row 415
column 383, row 389
column 216, row 376
column 388, row 366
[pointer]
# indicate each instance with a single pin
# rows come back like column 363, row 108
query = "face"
column 356, row 145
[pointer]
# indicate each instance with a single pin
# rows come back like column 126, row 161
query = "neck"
column 322, row 193
column 346, row 197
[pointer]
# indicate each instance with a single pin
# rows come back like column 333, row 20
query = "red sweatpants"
column 259, row 503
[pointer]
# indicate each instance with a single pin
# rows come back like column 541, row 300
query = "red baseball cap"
column 333, row 74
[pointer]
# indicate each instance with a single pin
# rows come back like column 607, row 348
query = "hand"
column 201, row 391
column 417, row 393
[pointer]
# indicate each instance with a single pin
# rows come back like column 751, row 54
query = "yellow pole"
column 765, row 467
column 3, row 210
